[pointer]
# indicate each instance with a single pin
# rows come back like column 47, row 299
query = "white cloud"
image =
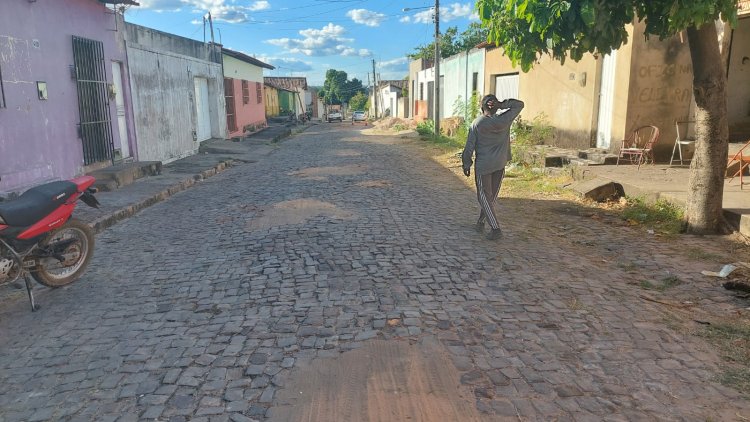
column 259, row 5
column 405, row 19
column 366, row 17
column 221, row 10
column 327, row 41
column 447, row 13
column 399, row 64
column 287, row 64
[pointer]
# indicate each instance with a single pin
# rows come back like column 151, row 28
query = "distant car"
column 335, row 115
column 359, row 116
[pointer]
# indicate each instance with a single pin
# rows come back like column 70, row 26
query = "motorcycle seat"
column 36, row 203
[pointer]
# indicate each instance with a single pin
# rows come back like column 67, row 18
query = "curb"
column 106, row 221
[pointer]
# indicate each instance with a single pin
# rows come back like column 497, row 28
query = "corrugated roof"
column 288, row 83
column 245, row 58
column 400, row 83
column 279, row 88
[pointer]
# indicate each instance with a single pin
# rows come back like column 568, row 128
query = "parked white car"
column 335, row 115
column 359, row 116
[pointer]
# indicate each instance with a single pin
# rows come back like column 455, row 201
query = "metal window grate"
column 229, row 97
column 93, row 100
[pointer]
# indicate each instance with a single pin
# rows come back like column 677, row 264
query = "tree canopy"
column 526, row 29
column 451, row 42
column 338, row 89
column 359, row 102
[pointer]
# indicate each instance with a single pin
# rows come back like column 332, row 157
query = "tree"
column 358, row 101
column 451, row 42
column 527, row 29
column 338, row 89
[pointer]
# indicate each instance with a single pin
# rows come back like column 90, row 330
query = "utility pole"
column 437, row 68
column 374, row 89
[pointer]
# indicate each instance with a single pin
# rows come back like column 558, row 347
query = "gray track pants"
column 488, row 187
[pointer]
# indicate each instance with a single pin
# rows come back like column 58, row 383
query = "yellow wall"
column 272, row 100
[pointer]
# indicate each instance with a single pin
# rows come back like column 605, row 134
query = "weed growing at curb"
column 664, row 284
column 733, row 341
column 662, row 216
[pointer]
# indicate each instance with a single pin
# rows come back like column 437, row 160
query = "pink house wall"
column 252, row 113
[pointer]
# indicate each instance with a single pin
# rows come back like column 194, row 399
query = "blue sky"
column 308, row 37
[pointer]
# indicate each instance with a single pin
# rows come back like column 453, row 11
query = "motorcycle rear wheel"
column 53, row 273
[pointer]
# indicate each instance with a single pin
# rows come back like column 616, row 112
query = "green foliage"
column 664, row 284
column 426, row 128
column 662, row 215
column 358, row 101
column 338, row 89
column 451, row 42
column 526, row 135
column 468, row 110
column 732, row 338
column 528, row 29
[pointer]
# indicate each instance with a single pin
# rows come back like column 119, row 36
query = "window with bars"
column 229, row 97
column 245, row 93
column 259, row 91
column 2, row 91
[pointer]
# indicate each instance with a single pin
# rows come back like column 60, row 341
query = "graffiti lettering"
column 665, row 95
column 662, row 70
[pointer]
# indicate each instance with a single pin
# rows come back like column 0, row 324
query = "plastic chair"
column 743, row 162
column 639, row 148
column 681, row 140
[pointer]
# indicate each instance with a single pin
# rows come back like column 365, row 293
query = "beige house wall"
column 495, row 63
column 660, row 89
column 567, row 95
column 738, row 83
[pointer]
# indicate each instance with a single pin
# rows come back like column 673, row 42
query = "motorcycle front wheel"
column 77, row 239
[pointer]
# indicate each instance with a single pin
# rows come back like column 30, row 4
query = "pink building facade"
column 243, row 91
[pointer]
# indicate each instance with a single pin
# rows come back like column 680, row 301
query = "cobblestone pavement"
column 199, row 307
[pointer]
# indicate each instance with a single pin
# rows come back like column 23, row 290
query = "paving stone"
column 209, row 333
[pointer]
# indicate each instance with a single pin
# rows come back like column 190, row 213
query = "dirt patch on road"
column 383, row 381
column 322, row 173
column 347, row 153
column 295, row 212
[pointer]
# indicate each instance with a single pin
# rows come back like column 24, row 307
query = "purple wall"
column 39, row 138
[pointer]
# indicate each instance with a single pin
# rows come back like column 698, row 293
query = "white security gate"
column 122, row 121
column 506, row 86
column 202, row 112
column 606, row 101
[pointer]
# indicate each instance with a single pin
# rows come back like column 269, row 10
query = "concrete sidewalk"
column 671, row 183
column 214, row 157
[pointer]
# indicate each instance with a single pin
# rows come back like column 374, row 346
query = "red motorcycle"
column 38, row 237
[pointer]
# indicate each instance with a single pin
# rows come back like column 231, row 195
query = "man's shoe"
column 479, row 227
column 494, row 234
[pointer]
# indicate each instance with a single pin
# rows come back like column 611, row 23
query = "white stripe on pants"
column 488, row 187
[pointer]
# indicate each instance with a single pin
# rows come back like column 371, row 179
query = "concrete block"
column 599, row 190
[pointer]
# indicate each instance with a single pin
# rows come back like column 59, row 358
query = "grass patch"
column 733, row 342
column 662, row 216
column 444, row 142
column 699, row 254
column 664, row 284
column 523, row 182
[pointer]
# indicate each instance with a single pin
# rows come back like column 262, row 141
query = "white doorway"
column 122, row 120
column 202, row 111
column 606, row 101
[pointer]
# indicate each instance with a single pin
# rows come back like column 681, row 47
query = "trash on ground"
column 723, row 273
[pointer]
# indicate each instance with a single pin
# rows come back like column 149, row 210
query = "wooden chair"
column 742, row 158
column 681, row 140
column 639, row 148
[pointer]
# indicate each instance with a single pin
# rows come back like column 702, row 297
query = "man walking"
column 489, row 140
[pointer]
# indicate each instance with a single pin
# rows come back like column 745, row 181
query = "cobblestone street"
column 204, row 306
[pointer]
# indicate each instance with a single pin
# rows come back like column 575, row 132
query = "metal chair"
column 681, row 140
column 639, row 148
column 743, row 162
